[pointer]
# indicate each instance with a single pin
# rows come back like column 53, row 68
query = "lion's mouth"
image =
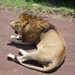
column 16, row 32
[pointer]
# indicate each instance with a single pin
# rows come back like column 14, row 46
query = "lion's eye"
column 16, row 24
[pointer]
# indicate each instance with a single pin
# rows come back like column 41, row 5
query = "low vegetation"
column 66, row 8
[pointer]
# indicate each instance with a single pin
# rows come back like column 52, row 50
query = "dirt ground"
column 65, row 28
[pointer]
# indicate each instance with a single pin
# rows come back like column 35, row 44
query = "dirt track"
column 66, row 29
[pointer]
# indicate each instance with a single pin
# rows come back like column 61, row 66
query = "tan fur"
column 50, row 45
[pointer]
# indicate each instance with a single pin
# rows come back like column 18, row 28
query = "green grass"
column 63, row 7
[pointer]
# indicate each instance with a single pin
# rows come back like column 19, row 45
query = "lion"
column 50, row 46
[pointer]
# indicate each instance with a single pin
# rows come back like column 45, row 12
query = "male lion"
column 50, row 45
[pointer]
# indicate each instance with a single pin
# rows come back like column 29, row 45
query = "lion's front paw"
column 15, row 38
column 12, row 37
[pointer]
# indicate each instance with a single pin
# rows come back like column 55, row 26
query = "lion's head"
column 20, row 22
column 29, row 26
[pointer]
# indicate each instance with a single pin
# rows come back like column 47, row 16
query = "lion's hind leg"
column 22, row 52
column 14, row 58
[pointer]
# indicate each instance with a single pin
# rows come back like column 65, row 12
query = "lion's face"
column 29, row 27
column 19, row 23
column 15, row 26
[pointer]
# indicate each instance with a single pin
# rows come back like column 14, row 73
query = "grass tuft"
column 65, row 8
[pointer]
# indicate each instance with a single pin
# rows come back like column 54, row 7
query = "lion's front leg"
column 18, row 40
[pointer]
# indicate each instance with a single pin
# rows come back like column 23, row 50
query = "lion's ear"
column 25, row 23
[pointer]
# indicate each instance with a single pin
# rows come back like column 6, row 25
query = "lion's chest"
column 31, row 37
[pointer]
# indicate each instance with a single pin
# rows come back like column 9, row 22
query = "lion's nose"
column 12, row 23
